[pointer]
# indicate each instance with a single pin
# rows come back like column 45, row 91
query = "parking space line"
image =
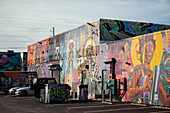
column 97, row 111
column 97, row 106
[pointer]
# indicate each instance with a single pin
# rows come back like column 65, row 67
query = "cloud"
column 29, row 21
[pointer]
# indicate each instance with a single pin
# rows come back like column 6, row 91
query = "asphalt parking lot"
column 30, row 104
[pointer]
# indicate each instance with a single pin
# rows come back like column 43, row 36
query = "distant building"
column 13, row 67
column 10, row 61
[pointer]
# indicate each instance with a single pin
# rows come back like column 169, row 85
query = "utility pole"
column 53, row 31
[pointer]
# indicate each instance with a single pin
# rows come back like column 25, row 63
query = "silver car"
column 13, row 90
column 24, row 91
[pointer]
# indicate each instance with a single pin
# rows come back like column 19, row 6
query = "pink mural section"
column 37, row 58
column 144, row 62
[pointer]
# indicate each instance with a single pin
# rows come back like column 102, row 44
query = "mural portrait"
column 144, row 62
column 10, row 61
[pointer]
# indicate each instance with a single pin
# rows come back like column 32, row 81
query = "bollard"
column 110, row 95
column 82, row 94
column 103, row 95
column 74, row 94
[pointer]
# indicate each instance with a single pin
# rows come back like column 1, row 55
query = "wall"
column 41, row 54
column 79, row 49
column 76, row 50
column 10, row 61
column 10, row 79
column 113, row 30
column 24, row 61
column 144, row 62
column 38, row 56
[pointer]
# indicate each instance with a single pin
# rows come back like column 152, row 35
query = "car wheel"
column 24, row 93
column 12, row 93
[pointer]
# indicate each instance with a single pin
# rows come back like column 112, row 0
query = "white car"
column 24, row 91
column 13, row 90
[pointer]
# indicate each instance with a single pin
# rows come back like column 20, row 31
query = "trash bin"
column 83, row 92
column 57, row 93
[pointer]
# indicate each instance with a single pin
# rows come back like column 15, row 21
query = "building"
column 13, row 66
column 108, row 53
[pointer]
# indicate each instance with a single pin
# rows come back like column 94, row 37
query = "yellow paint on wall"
column 140, row 101
column 167, row 39
column 81, row 37
column 156, row 60
column 90, row 41
column 89, row 30
column 68, row 36
column 134, row 48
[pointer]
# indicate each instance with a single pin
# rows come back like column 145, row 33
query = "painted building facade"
column 143, row 61
column 81, row 54
column 12, row 69
column 10, row 61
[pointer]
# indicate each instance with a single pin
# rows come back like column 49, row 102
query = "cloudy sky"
column 24, row 22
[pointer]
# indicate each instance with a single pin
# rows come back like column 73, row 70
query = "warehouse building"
column 131, row 58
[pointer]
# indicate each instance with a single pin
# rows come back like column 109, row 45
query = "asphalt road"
column 30, row 104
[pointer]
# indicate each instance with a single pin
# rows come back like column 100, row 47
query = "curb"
column 159, row 107
column 107, row 102
column 136, row 104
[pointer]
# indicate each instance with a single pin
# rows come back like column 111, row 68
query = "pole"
column 53, row 31
column 82, row 77
column 103, row 95
column 52, row 73
column 110, row 96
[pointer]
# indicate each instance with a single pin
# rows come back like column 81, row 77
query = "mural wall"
column 41, row 54
column 10, row 61
column 113, row 30
column 77, row 52
column 144, row 62
column 38, row 56
column 24, row 61
column 10, row 79
column 79, row 58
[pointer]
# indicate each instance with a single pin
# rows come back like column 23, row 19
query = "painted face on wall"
column 89, row 52
column 4, row 60
column 149, row 51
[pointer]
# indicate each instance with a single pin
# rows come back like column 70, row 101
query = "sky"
column 24, row 22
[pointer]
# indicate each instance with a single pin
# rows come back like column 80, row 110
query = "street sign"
column 156, row 95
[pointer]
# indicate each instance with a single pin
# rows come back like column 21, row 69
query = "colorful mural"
column 56, row 93
column 38, row 54
column 143, row 61
column 41, row 53
column 24, row 61
column 10, row 61
column 79, row 56
column 113, row 30
column 10, row 79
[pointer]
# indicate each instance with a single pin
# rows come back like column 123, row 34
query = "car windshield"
column 51, row 81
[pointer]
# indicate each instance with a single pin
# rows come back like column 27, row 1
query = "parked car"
column 24, row 91
column 13, row 90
